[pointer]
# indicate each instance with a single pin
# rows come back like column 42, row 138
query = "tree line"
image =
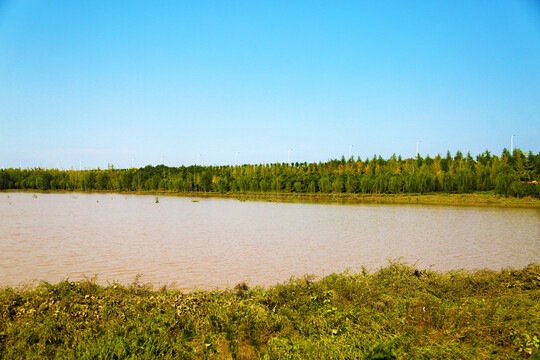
column 510, row 174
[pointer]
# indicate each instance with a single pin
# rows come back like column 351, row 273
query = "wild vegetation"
column 397, row 312
column 516, row 175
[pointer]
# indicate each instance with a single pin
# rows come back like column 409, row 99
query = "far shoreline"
column 451, row 199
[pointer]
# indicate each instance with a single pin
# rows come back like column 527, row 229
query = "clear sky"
column 178, row 82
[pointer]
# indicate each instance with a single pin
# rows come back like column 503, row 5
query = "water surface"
column 221, row 242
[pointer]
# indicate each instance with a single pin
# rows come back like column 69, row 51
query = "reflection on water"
column 220, row 242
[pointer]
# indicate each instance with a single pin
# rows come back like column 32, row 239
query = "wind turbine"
column 417, row 143
column 236, row 158
column 350, row 150
column 289, row 157
column 512, row 144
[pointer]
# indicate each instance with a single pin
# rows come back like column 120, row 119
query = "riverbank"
column 410, row 313
column 465, row 199
column 473, row 199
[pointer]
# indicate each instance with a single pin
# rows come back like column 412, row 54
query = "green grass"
column 485, row 198
column 398, row 312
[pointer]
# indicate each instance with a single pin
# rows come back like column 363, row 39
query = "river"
column 206, row 243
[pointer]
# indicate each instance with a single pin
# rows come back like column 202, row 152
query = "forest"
column 515, row 174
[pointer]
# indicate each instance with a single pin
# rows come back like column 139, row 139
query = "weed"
column 396, row 312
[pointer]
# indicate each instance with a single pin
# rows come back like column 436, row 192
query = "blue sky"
column 178, row 82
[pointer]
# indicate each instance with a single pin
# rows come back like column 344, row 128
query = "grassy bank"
column 468, row 199
column 399, row 311
column 458, row 199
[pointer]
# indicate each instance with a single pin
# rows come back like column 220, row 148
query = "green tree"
column 337, row 185
column 504, row 177
column 351, row 184
column 325, row 185
column 312, row 187
column 206, row 181
column 222, row 185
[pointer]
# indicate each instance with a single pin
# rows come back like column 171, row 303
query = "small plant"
column 472, row 315
column 526, row 343
column 242, row 286
column 380, row 352
column 157, row 200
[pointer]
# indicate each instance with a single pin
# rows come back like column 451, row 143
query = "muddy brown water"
column 211, row 243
